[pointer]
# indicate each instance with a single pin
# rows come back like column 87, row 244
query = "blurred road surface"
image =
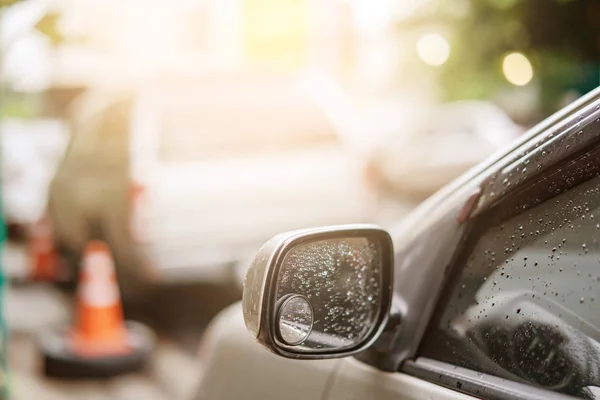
column 172, row 373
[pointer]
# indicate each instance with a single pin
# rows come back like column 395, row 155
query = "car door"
column 498, row 278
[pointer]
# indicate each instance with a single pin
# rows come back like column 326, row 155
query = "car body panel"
column 237, row 367
column 355, row 380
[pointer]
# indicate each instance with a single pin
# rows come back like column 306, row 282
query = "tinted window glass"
column 525, row 305
column 241, row 120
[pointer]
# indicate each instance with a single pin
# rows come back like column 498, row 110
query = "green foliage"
column 6, row 3
column 479, row 42
column 17, row 105
column 48, row 25
column 560, row 38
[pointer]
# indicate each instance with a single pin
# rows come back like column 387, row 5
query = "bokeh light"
column 517, row 69
column 433, row 49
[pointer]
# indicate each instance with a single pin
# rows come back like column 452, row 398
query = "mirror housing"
column 320, row 293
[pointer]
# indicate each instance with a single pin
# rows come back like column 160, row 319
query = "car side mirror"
column 320, row 293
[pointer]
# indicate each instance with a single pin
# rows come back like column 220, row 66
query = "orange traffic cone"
column 101, row 344
column 99, row 326
column 43, row 259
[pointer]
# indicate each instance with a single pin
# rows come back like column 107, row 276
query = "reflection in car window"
column 526, row 304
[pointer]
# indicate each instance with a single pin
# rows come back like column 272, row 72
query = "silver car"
column 490, row 289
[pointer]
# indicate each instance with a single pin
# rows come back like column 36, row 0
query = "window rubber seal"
column 475, row 383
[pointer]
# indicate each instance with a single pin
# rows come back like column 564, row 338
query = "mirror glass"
column 328, row 293
column 295, row 319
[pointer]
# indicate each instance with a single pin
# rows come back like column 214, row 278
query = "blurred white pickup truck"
column 186, row 181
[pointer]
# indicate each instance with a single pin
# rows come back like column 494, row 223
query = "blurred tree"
column 6, row 3
column 22, row 105
column 561, row 38
column 48, row 25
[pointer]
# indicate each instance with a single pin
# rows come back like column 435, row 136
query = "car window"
column 220, row 122
column 525, row 304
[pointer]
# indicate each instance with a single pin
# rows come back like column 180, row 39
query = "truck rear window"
column 241, row 120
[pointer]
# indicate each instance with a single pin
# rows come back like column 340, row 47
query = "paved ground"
column 173, row 371
column 28, row 383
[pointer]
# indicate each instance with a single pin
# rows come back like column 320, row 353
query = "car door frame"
column 430, row 239
column 550, row 150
